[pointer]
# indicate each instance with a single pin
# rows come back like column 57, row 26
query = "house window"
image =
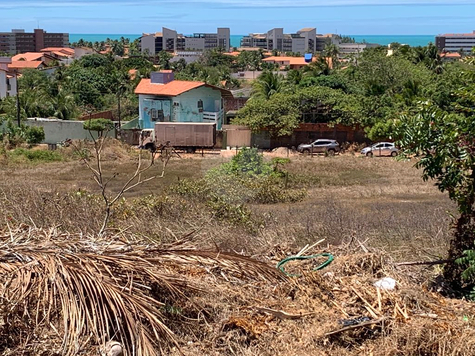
column 154, row 114
column 200, row 105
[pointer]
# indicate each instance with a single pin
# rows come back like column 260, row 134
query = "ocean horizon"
column 384, row 40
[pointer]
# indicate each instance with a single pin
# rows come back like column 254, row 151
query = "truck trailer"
column 188, row 136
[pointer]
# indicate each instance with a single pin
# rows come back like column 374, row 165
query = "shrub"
column 36, row 155
column 248, row 161
column 14, row 135
column 246, row 179
column 34, row 135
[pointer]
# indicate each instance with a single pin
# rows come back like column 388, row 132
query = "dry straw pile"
column 64, row 294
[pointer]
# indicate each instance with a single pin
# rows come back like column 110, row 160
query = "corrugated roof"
column 173, row 88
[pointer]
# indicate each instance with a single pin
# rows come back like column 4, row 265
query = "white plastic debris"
column 387, row 283
column 114, row 348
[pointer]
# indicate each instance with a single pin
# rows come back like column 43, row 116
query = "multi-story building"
column 19, row 41
column 323, row 40
column 170, row 41
column 301, row 42
column 455, row 42
column 346, row 49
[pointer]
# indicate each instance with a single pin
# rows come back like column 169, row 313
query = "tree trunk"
column 464, row 238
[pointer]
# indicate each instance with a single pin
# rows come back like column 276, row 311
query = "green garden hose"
column 281, row 264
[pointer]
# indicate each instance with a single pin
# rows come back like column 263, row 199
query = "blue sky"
column 242, row 16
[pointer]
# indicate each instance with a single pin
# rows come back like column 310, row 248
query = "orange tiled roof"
column 234, row 54
column 290, row 60
column 24, row 64
column 65, row 50
column 28, row 56
column 451, row 55
column 173, row 88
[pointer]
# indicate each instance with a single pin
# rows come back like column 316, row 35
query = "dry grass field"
column 371, row 213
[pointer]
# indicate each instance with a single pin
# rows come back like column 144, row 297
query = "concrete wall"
column 59, row 130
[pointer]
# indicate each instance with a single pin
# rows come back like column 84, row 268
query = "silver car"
column 380, row 149
column 320, row 146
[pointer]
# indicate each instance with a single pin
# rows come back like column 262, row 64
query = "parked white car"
column 380, row 149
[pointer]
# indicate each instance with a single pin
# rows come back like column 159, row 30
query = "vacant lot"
column 369, row 213
column 378, row 202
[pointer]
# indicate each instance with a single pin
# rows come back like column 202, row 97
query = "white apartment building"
column 7, row 79
column 454, row 42
column 301, row 42
column 170, row 41
column 346, row 49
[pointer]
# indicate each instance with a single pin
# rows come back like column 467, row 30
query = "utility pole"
column 17, row 99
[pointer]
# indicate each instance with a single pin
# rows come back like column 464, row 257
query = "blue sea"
column 411, row 40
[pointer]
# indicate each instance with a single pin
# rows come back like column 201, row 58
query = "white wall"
column 13, row 87
column 59, row 130
column 147, row 42
column 3, row 84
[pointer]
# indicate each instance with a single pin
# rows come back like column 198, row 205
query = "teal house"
column 163, row 99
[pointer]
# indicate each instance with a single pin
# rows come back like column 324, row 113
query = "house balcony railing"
column 213, row 116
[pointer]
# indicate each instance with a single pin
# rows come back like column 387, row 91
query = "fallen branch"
column 426, row 263
column 351, row 327
column 282, row 314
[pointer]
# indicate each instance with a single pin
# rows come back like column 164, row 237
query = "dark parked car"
column 320, row 146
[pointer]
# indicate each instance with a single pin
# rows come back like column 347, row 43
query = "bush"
column 248, row 161
column 36, row 155
column 246, row 179
column 34, row 135
column 15, row 135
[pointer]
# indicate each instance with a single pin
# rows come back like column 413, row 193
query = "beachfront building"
column 346, row 49
column 19, row 41
column 302, row 41
column 322, row 41
column 455, row 42
column 171, row 41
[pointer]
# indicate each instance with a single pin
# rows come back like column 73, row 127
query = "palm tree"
column 268, row 84
column 332, row 51
column 64, row 105
column 294, row 76
column 317, row 68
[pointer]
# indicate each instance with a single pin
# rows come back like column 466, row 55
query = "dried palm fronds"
column 96, row 289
